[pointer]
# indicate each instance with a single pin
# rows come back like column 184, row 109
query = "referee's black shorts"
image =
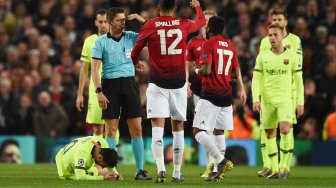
column 124, row 97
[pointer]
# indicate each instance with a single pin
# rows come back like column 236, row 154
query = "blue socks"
column 111, row 142
column 138, row 150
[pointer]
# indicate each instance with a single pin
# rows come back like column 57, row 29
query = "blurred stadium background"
column 40, row 46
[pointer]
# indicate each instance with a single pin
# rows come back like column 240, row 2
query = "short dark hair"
column 110, row 157
column 279, row 12
column 101, row 12
column 112, row 12
column 216, row 25
column 271, row 26
column 167, row 5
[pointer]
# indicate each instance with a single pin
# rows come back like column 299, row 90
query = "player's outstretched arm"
column 137, row 17
column 194, row 3
column 200, row 20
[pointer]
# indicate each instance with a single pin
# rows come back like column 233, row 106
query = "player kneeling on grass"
column 87, row 158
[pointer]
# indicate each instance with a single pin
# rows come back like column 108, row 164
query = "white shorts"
column 162, row 103
column 196, row 98
column 209, row 117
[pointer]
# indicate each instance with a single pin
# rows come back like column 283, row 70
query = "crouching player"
column 87, row 158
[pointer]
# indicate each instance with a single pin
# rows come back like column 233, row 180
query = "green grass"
column 44, row 175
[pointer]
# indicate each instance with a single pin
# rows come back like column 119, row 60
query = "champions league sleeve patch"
column 80, row 163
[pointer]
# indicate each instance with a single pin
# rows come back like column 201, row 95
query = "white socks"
column 203, row 138
column 157, row 148
column 209, row 158
column 178, row 148
column 220, row 143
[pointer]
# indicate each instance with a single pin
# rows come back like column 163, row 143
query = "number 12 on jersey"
column 221, row 53
column 172, row 47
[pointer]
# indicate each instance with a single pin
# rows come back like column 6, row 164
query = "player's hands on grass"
column 299, row 110
column 137, row 17
column 112, row 176
column 80, row 102
column 256, row 106
column 140, row 66
column 194, row 3
column 118, row 177
column 102, row 100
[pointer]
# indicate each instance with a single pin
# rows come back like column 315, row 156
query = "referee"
column 118, row 92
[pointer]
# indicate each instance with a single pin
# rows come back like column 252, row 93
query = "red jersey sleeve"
column 206, row 55
column 192, row 26
column 140, row 43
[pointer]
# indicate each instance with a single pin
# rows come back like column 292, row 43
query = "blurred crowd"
column 41, row 42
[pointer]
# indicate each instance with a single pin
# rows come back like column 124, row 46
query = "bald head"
column 44, row 99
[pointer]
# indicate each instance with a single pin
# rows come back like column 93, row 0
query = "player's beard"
column 103, row 31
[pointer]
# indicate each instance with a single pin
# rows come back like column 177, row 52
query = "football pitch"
column 44, row 175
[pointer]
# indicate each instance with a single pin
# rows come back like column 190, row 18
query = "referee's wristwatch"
column 99, row 90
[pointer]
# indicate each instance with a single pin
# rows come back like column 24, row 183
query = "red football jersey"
column 193, row 53
column 221, row 54
column 167, row 37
